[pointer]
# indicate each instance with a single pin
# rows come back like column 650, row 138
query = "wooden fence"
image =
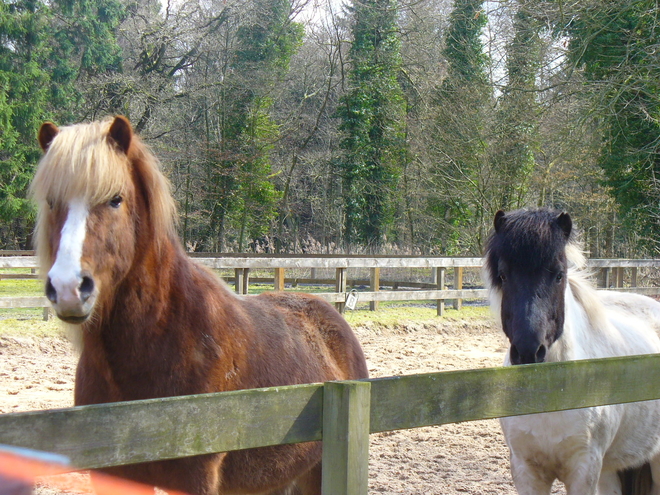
column 611, row 275
column 340, row 414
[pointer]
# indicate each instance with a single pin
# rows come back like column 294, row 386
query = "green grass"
column 20, row 287
column 14, row 288
column 32, row 327
column 396, row 313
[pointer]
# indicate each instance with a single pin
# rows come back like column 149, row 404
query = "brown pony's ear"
column 47, row 133
column 121, row 132
column 499, row 220
column 564, row 221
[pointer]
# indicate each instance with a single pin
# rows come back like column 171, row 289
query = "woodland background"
column 375, row 126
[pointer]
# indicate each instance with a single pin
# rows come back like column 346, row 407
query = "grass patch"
column 15, row 288
column 22, row 327
column 395, row 314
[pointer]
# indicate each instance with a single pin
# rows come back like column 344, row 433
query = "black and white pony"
column 549, row 312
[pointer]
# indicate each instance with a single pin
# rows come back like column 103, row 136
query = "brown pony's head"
column 100, row 194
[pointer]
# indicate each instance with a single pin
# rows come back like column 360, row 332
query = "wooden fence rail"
column 341, row 414
column 611, row 275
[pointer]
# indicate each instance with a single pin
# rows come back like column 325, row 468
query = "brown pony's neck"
column 144, row 330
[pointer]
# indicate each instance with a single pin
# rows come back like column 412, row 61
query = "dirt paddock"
column 467, row 458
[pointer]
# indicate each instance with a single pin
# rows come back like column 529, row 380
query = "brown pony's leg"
column 307, row 484
column 310, row 482
column 199, row 475
column 270, row 469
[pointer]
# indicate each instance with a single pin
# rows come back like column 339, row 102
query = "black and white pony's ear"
column 565, row 223
column 121, row 133
column 498, row 222
column 47, row 133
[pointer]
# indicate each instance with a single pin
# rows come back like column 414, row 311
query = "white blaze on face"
column 65, row 274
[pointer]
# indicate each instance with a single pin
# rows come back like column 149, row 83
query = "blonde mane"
column 582, row 285
column 82, row 161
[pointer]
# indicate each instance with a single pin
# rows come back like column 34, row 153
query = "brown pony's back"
column 156, row 324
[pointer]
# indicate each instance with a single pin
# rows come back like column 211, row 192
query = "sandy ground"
column 467, row 458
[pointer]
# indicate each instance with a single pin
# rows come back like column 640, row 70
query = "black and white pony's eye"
column 559, row 277
column 501, row 278
column 116, row 201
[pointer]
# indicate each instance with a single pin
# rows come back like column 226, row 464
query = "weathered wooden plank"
column 112, row 434
column 625, row 263
column 13, row 252
column 243, row 260
column 19, row 276
column 19, row 262
column 408, row 295
column 130, row 432
column 333, row 262
column 450, row 397
column 295, row 281
column 24, row 302
column 647, row 291
column 345, row 464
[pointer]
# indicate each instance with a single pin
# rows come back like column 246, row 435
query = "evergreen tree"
column 617, row 45
column 46, row 50
column 24, row 98
column 518, row 112
column 459, row 143
column 372, row 117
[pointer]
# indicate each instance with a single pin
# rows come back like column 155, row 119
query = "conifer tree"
column 372, row 117
column 459, row 142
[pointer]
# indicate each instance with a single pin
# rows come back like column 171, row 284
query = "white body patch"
column 65, row 272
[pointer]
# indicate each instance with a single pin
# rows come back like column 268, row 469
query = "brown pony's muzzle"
column 73, row 302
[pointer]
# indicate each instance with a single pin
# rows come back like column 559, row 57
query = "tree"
column 46, row 50
column 516, row 134
column 371, row 117
column 459, row 142
column 616, row 46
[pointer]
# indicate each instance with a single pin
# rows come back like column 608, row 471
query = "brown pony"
column 155, row 324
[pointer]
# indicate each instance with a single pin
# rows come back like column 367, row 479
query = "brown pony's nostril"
column 51, row 293
column 86, row 288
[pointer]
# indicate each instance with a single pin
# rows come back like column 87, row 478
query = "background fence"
column 374, row 278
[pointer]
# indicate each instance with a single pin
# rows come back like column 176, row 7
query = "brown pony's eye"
column 116, row 201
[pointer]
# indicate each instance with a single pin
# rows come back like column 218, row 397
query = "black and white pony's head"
column 526, row 268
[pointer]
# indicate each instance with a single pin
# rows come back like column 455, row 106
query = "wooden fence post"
column 239, row 280
column 345, row 464
column 633, row 277
column 440, row 281
column 458, row 285
column 340, row 286
column 619, row 277
column 374, row 285
column 278, row 280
